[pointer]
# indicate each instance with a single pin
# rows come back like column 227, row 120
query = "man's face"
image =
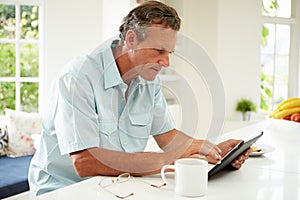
column 152, row 54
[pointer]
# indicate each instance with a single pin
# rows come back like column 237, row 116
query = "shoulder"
column 81, row 65
column 82, row 68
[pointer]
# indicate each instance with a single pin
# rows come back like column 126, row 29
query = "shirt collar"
column 140, row 81
column 111, row 72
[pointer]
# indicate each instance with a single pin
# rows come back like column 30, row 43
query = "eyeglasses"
column 106, row 182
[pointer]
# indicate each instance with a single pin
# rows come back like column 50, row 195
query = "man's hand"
column 226, row 146
column 203, row 149
column 186, row 147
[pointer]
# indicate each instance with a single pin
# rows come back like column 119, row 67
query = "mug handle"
column 162, row 172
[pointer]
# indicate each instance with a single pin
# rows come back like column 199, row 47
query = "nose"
column 164, row 60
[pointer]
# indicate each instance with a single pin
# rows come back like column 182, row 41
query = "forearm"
column 174, row 140
column 185, row 146
column 99, row 161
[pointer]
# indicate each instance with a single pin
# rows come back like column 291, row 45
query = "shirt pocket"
column 140, row 125
column 140, row 119
column 134, row 132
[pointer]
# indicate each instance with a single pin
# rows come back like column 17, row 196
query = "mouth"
column 157, row 68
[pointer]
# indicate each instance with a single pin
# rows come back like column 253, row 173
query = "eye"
column 162, row 51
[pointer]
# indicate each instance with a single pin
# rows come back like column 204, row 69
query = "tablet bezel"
column 233, row 154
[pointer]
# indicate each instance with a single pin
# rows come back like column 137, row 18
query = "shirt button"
column 125, row 143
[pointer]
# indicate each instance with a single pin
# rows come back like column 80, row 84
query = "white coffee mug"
column 191, row 176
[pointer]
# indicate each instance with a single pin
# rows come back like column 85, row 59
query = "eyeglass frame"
column 128, row 177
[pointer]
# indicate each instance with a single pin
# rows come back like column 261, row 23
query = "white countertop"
column 272, row 176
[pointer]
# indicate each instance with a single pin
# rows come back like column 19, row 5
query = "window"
column 20, row 55
column 279, row 52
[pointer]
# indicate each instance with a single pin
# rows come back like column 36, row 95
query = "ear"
column 131, row 39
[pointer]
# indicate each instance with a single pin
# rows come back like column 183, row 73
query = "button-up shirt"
column 91, row 106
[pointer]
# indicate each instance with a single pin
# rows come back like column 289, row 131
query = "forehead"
column 160, row 38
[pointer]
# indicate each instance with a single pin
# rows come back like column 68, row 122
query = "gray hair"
column 146, row 14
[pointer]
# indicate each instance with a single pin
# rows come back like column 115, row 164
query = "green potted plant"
column 245, row 106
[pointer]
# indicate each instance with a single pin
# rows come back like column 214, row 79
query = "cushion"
column 20, row 127
column 13, row 175
column 3, row 140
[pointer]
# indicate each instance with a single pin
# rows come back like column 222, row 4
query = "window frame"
column 294, row 70
column 17, row 79
column 294, row 54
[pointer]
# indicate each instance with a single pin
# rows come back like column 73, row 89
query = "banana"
column 271, row 115
column 282, row 113
column 290, row 104
column 282, row 103
column 286, row 107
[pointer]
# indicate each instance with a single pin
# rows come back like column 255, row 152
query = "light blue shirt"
column 89, row 108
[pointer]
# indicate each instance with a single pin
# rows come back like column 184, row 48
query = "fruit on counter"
column 290, row 104
column 295, row 117
column 287, row 117
column 283, row 113
column 286, row 109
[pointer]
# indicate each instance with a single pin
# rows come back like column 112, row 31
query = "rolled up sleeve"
column 76, row 118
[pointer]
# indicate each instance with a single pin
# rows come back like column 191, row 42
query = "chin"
column 149, row 75
column 149, row 78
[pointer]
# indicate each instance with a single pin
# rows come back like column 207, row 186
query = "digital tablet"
column 233, row 154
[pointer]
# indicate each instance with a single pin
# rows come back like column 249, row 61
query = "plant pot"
column 246, row 116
